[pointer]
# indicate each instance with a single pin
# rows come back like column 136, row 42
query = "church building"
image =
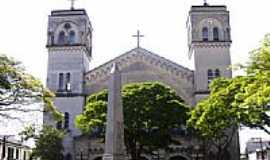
column 69, row 47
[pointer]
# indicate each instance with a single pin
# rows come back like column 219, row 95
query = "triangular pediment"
column 141, row 65
column 143, row 56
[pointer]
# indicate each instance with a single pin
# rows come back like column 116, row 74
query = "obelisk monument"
column 114, row 140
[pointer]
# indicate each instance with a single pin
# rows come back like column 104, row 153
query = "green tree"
column 18, row 89
column 243, row 100
column 48, row 143
column 151, row 112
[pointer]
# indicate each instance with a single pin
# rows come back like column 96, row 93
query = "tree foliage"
column 48, row 143
column 18, row 89
column 151, row 112
column 243, row 100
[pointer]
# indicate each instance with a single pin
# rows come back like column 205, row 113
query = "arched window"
column 210, row 75
column 71, row 37
column 215, row 34
column 228, row 34
column 52, row 39
column 68, row 157
column 61, row 37
column 205, row 34
column 66, row 124
column 217, row 73
column 61, row 81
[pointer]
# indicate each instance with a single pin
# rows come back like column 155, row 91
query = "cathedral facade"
column 69, row 47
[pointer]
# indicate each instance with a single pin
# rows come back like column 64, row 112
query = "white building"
column 11, row 149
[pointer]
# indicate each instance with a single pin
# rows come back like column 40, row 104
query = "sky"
column 23, row 28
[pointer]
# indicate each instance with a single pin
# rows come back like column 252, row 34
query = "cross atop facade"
column 138, row 36
column 72, row 4
column 205, row 2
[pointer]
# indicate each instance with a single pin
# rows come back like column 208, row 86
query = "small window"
column 24, row 155
column 17, row 153
column 215, row 34
column 10, row 153
column 71, row 37
column 61, row 81
column 68, row 84
column 205, row 34
column 66, row 125
column 61, row 37
column 52, row 39
column 210, row 75
column 228, row 34
column 217, row 73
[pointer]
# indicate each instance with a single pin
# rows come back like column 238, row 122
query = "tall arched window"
column 215, row 34
column 61, row 81
column 52, row 39
column 66, row 124
column 71, row 37
column 228, row 34
column 61, row 37
column 205, row 34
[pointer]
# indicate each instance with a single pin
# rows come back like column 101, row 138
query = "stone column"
column 114, row 142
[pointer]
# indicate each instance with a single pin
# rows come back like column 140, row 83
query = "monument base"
column 113, row 157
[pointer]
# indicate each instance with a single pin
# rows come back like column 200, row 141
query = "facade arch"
column 69, row 33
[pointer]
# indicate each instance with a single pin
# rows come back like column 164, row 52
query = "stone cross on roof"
column 72, row 4
column 138, row 36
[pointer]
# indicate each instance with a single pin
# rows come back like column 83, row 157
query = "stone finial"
column 205, row 3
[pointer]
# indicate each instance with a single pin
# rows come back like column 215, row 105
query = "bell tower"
column 69, row 47
column 209, row 43
column 70, row 50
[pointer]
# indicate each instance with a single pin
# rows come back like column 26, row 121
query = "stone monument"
column 114, row 140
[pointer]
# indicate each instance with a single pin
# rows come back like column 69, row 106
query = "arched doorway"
column 68, row 157
column 143, row 158
column 177, row 158
column 98, row 158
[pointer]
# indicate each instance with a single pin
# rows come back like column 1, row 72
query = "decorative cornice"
column 139, row 55
column 202, row 92
column 69, row 94
column 69, row 49
column 211, row 44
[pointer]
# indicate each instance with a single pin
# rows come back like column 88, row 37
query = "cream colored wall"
column 210, row 58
